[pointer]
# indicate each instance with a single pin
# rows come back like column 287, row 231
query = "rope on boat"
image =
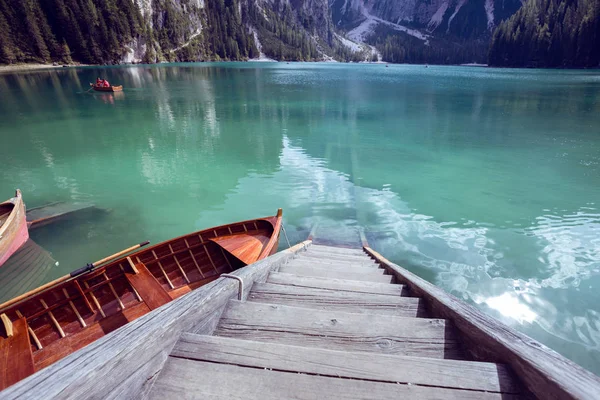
column 285, row 234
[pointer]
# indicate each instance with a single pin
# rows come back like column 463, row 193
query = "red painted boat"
column 49, row 323
column 13, row 226
column 99, row 88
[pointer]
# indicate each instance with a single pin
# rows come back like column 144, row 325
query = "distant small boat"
column 13, row 226
column 107, row 89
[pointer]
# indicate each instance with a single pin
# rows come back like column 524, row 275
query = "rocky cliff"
column 124, row 31
column 463, row 18
column 420, row 30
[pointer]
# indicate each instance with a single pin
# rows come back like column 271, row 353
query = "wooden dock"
column 314, row 322
column 24, row 270
column 330, row 324
column 49, row 213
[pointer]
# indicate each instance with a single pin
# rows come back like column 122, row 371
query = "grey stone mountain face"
column 353, row 24
column 463, row 18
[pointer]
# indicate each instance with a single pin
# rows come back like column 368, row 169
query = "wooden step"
column 191, row 379
column 318, row 261
column 335, row 267
column 452, row 374
column 337, row 250
column 335, row 330
column 323, row 299
column 336, row 258
column 336, row 284
column 336, row 273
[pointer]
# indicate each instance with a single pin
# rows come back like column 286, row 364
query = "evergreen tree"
column 7, row 46
column 549, row 33
column 65, row 55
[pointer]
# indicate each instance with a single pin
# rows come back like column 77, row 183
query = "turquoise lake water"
column 483, row 181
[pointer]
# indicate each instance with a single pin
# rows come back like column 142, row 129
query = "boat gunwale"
column 195, row 233
column 275, row 236
column 111, row 263
column 17, row 203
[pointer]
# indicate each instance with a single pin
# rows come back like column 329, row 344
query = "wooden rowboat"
column 49, row 325
column 107, row 89
column 13, row 226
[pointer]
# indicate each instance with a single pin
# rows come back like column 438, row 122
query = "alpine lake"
column 483, row 181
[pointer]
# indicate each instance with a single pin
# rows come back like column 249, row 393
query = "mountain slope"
column 32, row 30
column 440, row 31
column 114, row 31
column 549, row 33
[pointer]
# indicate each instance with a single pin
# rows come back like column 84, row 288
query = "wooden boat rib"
column 70, row 315
column 107, row 89
column 13, row 226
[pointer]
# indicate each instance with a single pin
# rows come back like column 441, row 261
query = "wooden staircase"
column 330, row 324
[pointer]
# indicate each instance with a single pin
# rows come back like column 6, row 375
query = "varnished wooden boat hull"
column 67, row 317
column 13, row 226
column 108, row 89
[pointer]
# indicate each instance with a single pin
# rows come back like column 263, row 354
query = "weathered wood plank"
column 323, row 299
column 339, row 273
column 324, row 264
column 321, row 253
column 547, row 374
column 281, row 278
column 338, row 250
column 356, row 365
column 40, row 216
column 337, row 258
column 26, row 269
column 190, row 379
column 338, row 330
column 115, row 360
column 335, row 267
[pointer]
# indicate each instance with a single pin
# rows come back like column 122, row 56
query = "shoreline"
column 24, row 67
column 10, row 68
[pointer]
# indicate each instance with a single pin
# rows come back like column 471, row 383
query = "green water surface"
column 483, row 181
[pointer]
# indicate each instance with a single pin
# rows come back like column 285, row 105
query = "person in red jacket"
column 106, row 84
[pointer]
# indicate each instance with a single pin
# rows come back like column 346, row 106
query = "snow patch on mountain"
column 355, row 47
column 261, row 56
column 438, row 17
column 368, row 25
column 361, row 32
column 460, row 4
column 489, row 10
column 186, row 44
column 402, row 28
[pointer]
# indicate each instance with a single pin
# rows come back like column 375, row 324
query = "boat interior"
column 75, row 313
column 5, row 210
